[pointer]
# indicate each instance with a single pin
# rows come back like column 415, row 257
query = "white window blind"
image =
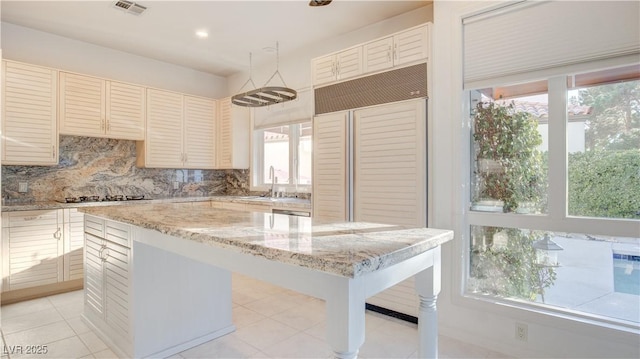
column 547, row 37
column 287, row 113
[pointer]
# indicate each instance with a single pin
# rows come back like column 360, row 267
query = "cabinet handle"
column 337, row 68
column 53, row 151
column 102, row 124
column 106, row 257
column 58, row 234
column 333, row 69
column 389, row 53
column 108, row 126
column 186, row 157
column 31, row 218
column 395, row 51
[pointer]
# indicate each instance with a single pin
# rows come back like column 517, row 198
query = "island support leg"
column 345, row 308
column 428, row 287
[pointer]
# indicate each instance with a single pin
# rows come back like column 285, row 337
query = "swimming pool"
column 626, row 273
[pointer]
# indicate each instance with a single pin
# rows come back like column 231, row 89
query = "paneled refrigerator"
column 370, row 165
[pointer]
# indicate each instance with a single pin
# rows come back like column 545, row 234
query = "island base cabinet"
column 143, row 301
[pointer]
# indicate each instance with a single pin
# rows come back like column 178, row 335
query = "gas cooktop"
column 114, row 198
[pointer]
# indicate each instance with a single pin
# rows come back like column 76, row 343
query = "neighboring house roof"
column 540, row 110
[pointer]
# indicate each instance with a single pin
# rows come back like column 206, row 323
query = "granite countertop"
column 348, row 249
column 293, row 203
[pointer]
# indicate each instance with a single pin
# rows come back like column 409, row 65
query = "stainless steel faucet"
column 272, row 177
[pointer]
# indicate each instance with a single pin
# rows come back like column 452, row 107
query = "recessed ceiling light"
column 202, row 34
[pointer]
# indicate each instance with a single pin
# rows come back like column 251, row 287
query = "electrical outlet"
column 176, row 184
column 23, row 187
column 522, row 332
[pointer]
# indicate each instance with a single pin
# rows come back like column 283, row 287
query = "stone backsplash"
column 98, row 167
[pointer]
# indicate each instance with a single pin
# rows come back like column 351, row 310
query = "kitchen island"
column 340, row 263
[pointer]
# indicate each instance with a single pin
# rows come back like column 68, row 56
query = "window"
column 554, row 203
column 287, row 149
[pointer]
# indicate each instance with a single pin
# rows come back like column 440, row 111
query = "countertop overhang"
column 348, row 249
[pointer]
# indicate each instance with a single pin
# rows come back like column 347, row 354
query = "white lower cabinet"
column 32, row 249
column 107, row 277
column 41, row 253
column 143, row 301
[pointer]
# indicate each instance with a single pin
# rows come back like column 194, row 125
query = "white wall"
column 41, row 48
column 296, row 68
column 480, row 322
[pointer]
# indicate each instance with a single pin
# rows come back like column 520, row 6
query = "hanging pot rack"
column 265, row 95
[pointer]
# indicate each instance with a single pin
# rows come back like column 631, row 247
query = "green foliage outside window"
column 510, row 169
column 509, row 165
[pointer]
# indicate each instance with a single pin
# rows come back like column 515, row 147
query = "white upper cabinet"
column 338, row 66
column 91, row 106
column 180, row 131
column 225, row 135
column 125, row 111
column 404, row 47
column 378, row 55
column 411, row 45
column 199, row 132
column 29, row 112
column 163, row 143
column 232, row 138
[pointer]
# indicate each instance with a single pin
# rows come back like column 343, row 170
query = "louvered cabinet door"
column 330, row 166
column 411, row 45
column 33, row 246
column 163, row 144
column 82, row 100
column 74, row 243
column 117, row 260
column 349, row 63
column 323, row 69
column 199, row 132
column 29, row 115
column 94, row 275
column 225, row 135
column 125, row 111
column 378, row 55
column 390, row 164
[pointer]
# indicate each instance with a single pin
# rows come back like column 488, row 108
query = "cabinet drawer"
column 29, row 218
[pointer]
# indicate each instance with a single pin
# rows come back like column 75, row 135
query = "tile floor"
column 271, row 323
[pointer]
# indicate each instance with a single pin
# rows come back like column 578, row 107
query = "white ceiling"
column 166, row 30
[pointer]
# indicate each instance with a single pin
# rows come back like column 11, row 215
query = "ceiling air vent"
column 129, row 7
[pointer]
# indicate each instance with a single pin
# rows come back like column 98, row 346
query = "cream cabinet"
column 199, row 132
column 180, row 131
column 405, row 47
column 73, row 232
column 32, row 249
column 401, row 48
column 42, row 252
column 232, row 138
column 339, row 66
column 95, row 107
column 163, row 143
column 29, row 114
column 107, row 281
column 330, row 166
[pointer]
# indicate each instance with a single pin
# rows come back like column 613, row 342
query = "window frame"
column 556, row 219
column 258, row 166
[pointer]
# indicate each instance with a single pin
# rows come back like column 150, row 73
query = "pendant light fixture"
column 265, row 95
column 319, row 2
